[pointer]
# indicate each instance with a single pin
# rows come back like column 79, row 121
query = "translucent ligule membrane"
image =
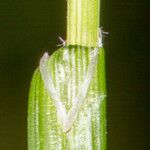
column 70, row 101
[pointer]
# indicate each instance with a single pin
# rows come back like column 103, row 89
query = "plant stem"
column 83, row 22
column 67, row 105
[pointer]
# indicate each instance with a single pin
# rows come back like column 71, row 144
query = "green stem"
column 64, row 110
column 83, row 22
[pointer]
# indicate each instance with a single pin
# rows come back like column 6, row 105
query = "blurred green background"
column 28, row 28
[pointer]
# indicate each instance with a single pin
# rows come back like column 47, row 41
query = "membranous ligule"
column 67, row 107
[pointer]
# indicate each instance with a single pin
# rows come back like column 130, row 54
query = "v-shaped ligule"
column 68, row 119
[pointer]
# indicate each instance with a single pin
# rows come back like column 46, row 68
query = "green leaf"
column 68, row 68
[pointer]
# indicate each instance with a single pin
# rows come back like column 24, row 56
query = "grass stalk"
column 83, row 22
column 67, row 105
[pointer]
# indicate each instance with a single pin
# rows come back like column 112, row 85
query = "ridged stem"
column 83, row 22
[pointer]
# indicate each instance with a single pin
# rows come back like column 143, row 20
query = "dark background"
column 30, row 27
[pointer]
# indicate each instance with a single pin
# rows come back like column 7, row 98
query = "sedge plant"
column 67, row 100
